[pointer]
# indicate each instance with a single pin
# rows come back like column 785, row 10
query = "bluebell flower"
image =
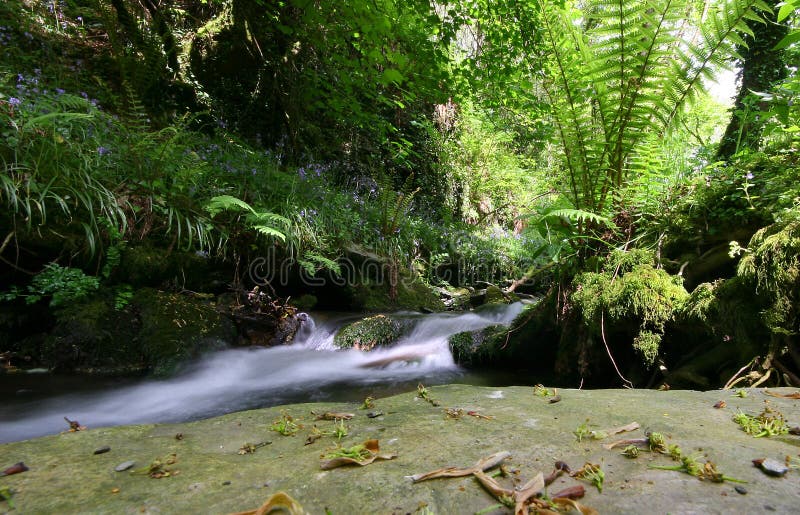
column 103, row 151
column 84, row 95
column 14, row 101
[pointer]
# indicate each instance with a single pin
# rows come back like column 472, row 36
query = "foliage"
column 772, row 263
column 644, row 71
column 770, row 422
column 286, row 425
column 62, row 284
column 263, row 222
column 629, row 291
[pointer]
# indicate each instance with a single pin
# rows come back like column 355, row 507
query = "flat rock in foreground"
column 210, row 476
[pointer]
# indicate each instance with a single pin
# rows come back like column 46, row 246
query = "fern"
column 579, row 215
column 650, row 60
column 262, row 222
column 313, row 262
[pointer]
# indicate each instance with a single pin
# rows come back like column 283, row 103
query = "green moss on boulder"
column 368, row 333
column 155, row 332
column 177, row 327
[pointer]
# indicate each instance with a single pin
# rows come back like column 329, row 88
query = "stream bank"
column 210, row 476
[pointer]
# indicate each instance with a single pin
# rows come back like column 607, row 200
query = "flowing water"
column 237, row 379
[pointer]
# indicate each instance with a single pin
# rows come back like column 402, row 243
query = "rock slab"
column 210, row 475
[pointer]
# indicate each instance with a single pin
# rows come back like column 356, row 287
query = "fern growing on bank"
column 648, row 60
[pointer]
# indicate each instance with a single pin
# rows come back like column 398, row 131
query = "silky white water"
column 237, row 379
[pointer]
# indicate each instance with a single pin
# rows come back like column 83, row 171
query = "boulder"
column 371, row 332
column 216, row 471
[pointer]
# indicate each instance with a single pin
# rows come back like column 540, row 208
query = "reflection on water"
column 238, row 379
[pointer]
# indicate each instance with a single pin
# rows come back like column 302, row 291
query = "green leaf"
column 391, row 75
column 792, row 37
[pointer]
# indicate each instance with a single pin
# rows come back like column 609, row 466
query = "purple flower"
column 60, row 91
column 14, row 101
column 84, row 95
column 749, row 176
column 302, row 173
column 103, row 151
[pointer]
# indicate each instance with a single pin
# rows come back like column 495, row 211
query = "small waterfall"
column 238, row 379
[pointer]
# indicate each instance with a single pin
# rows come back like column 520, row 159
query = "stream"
column 310, row 370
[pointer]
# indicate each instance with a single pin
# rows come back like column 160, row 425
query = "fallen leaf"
column 15, row 469
column 630, row 441
column 569, row 503
column 115, row 490
column 279, row 502
column 572, row 492
column 605, row 433
column 794, row 395
column 74, row 425
column 373, row 449
column 483, row 464
column 520, row 496
column 332, row 415
column 478, row 415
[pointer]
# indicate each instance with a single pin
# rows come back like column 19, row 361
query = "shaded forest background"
column 565, row 151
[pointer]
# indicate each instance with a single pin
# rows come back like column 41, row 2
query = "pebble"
column 102, row 450
column 373, row 414
column 772, row 467
column 740, row 490
column 124, row 466
column 226, row 483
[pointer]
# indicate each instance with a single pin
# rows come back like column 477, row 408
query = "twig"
column 732, row 381
column 603, row 334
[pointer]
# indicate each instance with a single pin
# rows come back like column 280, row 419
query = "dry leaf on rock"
column 483, row 464
column 332, row 415
column 361, row 455
column 793, row 395
column 279, row 502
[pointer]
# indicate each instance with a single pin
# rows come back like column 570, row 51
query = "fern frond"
column 222, row 203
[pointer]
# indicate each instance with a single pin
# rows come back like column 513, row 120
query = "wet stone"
column 772, row 467
column 125, row 465
column 102, row 450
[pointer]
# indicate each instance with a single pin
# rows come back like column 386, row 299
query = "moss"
column 475, row 348
column 521, row 344
column 412, row 294
column 92, row 334
column 495, row 295
column 368, row 333
column 700, row 305
column 148, row 266
column 176, row 327
column 305, row 302
column 630, row 296
column 772, row 263
column 647, row 343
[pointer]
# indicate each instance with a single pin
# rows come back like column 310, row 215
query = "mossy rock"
column 498, row 346
column 91, row 335
column 177, row 327
column 368, row 333
column 155, row 332
column 148, row 266
column 411, row 294
column 475, row 348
